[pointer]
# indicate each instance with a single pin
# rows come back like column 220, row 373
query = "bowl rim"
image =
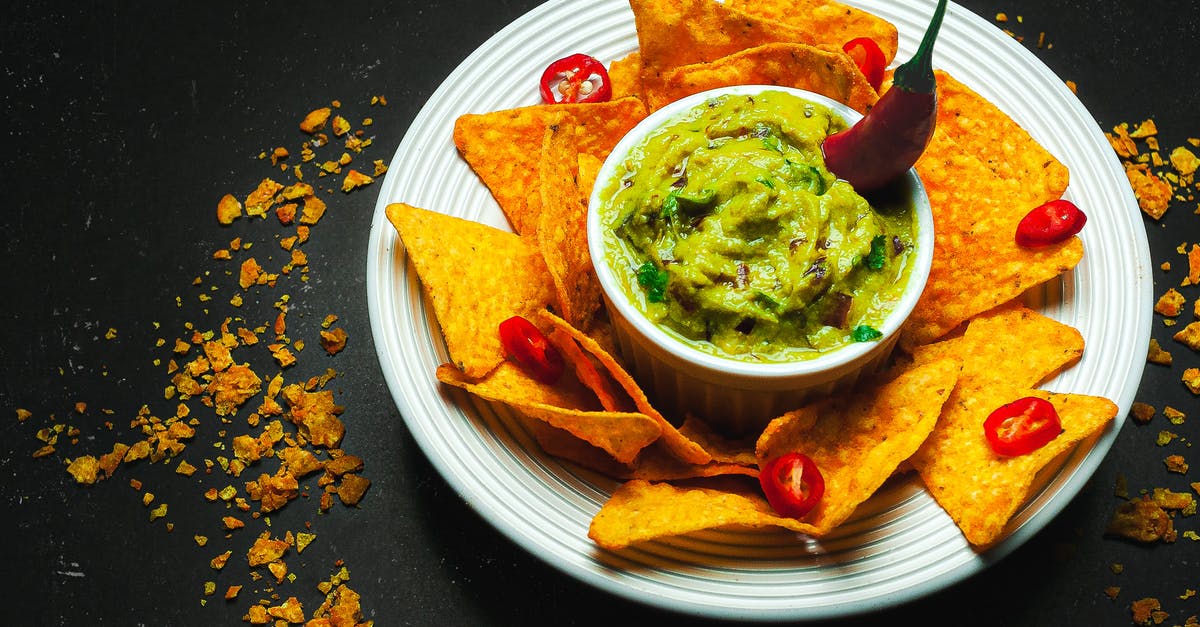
column 677, row 351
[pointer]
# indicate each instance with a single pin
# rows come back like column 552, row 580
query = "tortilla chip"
column 1016, row 345
column 681, row 447
column 640, row 510
column 504, row 147
column 981, row 129
column 979, row 489
column 603, row 385
column 565, row 446
column 722, row 449
column 675, row 33
column 562, row 228
column 621, row 435
column 977, row 264
column 827, row 72
column 476, row 276
column 830, row 22
column 858, row 441
column 589, row 168
column 625, row 76
column 658, row 463
column 508, row 384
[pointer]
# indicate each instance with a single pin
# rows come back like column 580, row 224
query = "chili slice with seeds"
column 869, row 59
column 1022, row 426
column 575, row 78
column 792, row 484
column 531, row 349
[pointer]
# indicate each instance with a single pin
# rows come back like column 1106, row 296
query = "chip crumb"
column 1141, row 520
column 1170, row 303
column 1147, row 611
column 1156, row 354
column 1142, row 412
column 1191, row 379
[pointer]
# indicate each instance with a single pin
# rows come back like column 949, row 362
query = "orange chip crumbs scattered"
column 1170, row 303
column 315, row 120
column 355, row 179
column 1142, row 412
column 1156, row 354
column 1147, row 611
column 1191, row 379
column 229, row 209
column 334, row 340
column 1141, row 520
column 1153, row 194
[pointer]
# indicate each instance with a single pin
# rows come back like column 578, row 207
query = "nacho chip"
column 640, row 510
column 675, row 33
column 979, row 489
column 622, row 435
column 977, row 264
column 998, row 348
column 603, row 385
column 504, row 147
column 982, row 130
column 476, row 276
column 830, row 22
column 681, row 447
column 562, row 228
column 859, row 441
column 625, row 76
column 826, row 72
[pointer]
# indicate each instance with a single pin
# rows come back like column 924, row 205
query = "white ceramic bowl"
column 735, row 395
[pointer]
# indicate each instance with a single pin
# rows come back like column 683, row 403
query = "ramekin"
column 735, row 396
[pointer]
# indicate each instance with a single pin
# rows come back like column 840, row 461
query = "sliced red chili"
column 1022, row 426
column 575, row 78
column 869, row 58
column 531, row 349
column 792, row 484
column 1050, row 223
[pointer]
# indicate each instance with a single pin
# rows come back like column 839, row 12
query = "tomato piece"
column 531, row 349
column 792, row 484
column 1050, row 223
column 575, row 78
column 868, row 57
column 1022, row 426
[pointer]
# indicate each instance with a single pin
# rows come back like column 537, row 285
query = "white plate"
column 900, row 544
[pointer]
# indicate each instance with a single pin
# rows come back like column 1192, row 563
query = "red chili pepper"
column 1022, row 426
column 889, row 139
column 792, row 483
column 530, row 348
column 576, row 78
column 869, row 58
column 1050, row 223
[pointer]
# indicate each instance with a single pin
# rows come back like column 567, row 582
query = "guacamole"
column 725, row 227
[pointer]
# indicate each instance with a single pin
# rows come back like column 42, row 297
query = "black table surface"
column 127, row 123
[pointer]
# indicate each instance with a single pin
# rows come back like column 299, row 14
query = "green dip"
column 725, row 228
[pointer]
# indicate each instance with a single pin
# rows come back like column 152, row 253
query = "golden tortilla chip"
column 977, row 264
column 625, row 76
column 681, row 447
column 640, row 510
column 589, row 168
column 675, row 33
column 830, row 22
column 504, row 147
column 981, row 129
column 476, row 276
column 562, row 228
column 599, row 382
column 995, row 346
column 858, row 441
column 722, row 449
column 622, row 435
column 979, row 489
column 827, row 72
column 565, row 446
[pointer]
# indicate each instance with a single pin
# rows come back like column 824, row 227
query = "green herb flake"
column 878, row 255
column 865, row 333
column 654, row 281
